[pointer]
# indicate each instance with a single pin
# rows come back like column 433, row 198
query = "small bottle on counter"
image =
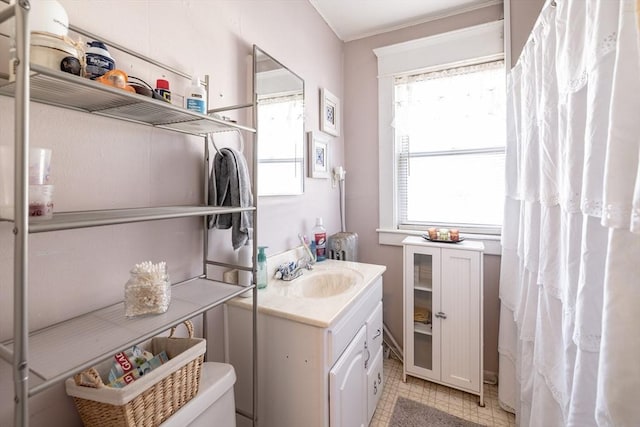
column 196, row 97
column 320, row 238
column 162, row 87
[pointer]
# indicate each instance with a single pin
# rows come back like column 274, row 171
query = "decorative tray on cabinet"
column 426, row 237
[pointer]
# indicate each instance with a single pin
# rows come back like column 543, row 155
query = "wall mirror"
column 279, row 104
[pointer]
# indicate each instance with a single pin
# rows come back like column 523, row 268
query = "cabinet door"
column 374, row 362
column 348, row 385
column 421, row 301
column 374, row 330
column 460, row 330
column 375, row 382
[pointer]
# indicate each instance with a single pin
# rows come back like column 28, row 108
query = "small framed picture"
column 318, row 155
column 329, row 113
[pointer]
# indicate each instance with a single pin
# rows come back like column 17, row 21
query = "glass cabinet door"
column 422, row 310
column 422, row 301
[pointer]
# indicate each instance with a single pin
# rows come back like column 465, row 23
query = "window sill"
column 394, row 237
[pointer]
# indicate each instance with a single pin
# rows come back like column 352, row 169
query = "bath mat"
column 409, row 413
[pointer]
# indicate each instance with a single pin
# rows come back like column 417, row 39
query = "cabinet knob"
column 441, row 315
column 375, row 388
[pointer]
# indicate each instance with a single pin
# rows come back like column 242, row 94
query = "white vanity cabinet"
column 311, row 374
column 443, row 313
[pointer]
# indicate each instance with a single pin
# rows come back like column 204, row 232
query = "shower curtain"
column 569, row 339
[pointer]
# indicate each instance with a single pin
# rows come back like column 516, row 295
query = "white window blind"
column 449, row 133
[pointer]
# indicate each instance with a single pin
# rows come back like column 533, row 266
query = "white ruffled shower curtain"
column 569, row 339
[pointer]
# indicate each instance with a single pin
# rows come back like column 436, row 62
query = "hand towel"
column 230, row 185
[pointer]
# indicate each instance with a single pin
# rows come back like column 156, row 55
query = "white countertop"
column 322, row 312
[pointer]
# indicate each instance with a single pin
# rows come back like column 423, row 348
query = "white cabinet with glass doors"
column 443, row 313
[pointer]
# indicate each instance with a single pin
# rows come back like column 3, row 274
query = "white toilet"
column 214, row 404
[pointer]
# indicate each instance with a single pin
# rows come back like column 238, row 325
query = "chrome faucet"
column 294, row 269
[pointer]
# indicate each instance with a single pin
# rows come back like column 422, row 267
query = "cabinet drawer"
column 375, row 382
column 374, row 329
column 347, row 326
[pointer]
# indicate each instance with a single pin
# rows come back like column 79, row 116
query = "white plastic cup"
column 39, row 174
column 39, row 166
column 40, row 202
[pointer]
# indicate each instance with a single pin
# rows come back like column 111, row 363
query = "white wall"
column 98, row 163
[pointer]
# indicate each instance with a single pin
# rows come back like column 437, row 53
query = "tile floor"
column 455, row 402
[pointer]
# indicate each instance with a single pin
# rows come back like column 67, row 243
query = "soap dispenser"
column 262, row 268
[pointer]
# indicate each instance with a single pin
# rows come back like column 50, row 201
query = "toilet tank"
column 214, row 404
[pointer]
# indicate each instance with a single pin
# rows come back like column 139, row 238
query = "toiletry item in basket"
column 127, row 360
column 144, row 368
column 148, row 290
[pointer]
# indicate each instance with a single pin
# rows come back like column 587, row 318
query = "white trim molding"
column 442, row 50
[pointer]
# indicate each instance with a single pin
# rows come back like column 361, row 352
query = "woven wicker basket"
column 149, row 400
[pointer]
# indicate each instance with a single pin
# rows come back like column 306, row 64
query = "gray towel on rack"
column 230, row 185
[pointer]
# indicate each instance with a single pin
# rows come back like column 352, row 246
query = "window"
column 450, row 141
column 441, row 131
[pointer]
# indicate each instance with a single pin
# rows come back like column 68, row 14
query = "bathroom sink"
column 325, row 283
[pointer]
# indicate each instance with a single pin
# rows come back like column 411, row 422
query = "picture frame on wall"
column 329, row 113
column 318, row 155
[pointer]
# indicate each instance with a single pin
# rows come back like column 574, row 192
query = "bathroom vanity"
column 319, row 347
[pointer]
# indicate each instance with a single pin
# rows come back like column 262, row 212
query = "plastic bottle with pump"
column 320, row 238
column 196, row 97
column 262, row 278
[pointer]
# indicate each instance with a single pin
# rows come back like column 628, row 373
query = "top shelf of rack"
column 77, row 93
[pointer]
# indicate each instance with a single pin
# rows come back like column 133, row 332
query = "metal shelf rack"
column 81, row 94
column 103, row 332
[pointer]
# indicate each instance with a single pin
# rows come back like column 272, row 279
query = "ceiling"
column 355, row 19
